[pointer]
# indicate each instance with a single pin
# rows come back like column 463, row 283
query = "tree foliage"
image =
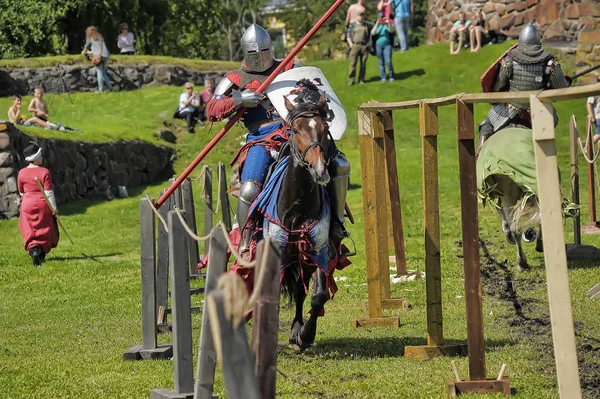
column 184, row 28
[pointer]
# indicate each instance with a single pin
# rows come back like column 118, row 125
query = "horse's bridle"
column 301, row 157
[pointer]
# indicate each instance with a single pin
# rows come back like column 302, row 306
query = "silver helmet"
column 530, row 35
column 258, row 48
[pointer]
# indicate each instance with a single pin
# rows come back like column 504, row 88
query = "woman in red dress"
column 37, row 223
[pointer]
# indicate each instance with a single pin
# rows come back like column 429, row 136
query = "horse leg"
column 506, row 226
column 299, row 297
column 521, row 257
column 306, row 335
column 539, row 243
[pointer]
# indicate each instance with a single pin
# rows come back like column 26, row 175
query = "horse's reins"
column 301, row 157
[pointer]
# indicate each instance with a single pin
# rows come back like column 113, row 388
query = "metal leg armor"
column 339, row 170
column 249, row 190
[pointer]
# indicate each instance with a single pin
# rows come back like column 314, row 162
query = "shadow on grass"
column 83, row 256
column 80, row 206
column 399, row 76
column 345, row 348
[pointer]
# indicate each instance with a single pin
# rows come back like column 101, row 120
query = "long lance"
column 585, row 71
column 62, row 226
column 241, row 111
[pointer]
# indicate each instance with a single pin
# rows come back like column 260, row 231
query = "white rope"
column 585, row 149
column 187, row 228
column 204, row 194
column 234, row 252
column 157, row 214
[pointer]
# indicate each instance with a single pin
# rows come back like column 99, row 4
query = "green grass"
column 66, row 324
column 44, row 62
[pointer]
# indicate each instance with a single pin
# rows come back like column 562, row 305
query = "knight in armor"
column 266, row 132
column 526, row 67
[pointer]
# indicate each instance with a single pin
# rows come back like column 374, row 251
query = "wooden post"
column 149, row 348
column 591, row 173
column 394, row 190
column 190, row 212
column 574, row 147
column 162, row 266
column 470, row 233
column 183, row 367
column 207, row 357
column 231, row 343
column 555, row 258
column 208, row 205
column 266, row 320
column 431, row 210
column 224, row 198
column 374, row 206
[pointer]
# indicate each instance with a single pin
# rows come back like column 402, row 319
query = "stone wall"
column 79, row 169
column 588, row 54
column 83, row 78
column 558, row 19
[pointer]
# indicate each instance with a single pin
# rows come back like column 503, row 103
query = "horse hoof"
column 524, row 268
column 511, row 240
column 529, row 235
column 539, row 247
column 295, row 347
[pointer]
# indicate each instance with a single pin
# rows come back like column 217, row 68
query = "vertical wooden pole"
column 162, row 264
column 207, row 356
column 208, row 205
column 190, row 212
column 180, row 297
column 574, row 147
column 431, row 210
column 224, row 198
column 470, row 234
column 266, row 321
column 555, row 257
column 381, row 211
column 394, row 189
column 591, row 172
column 148, row 265
column 372, row 203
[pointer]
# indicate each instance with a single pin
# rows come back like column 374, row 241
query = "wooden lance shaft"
column 53, row 210
column 241, row 111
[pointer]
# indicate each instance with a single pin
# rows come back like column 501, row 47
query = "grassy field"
column 65, row 325
column 43, row 62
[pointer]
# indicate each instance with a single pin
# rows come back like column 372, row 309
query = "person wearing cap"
column 125, row 40
column 359, row 35
column 190, row 106
column 36, row 221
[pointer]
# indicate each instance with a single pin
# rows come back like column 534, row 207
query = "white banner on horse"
column 289, row 84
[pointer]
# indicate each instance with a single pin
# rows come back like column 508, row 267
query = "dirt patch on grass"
column 529, row 319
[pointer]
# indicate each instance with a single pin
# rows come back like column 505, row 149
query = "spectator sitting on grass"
column 458, row 33
column 39, row 108
column 190, row 107
column 14, row 116
column 207, row 94
column 478, row 31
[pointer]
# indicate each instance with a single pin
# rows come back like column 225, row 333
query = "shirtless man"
column 354, row 12
column 14, row 115
column 39, row 108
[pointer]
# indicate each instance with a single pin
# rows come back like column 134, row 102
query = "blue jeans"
column 402, row 25
column 102, row 76
column 384, row 56
column 598, row 127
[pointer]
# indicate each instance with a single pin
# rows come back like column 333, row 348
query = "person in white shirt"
column 125, row 40
column 190, row 106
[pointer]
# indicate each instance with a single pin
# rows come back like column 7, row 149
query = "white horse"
column 507, row 177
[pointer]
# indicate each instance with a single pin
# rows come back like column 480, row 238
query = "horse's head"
column 309, row 140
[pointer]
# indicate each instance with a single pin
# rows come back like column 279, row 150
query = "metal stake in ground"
column 241, row 111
